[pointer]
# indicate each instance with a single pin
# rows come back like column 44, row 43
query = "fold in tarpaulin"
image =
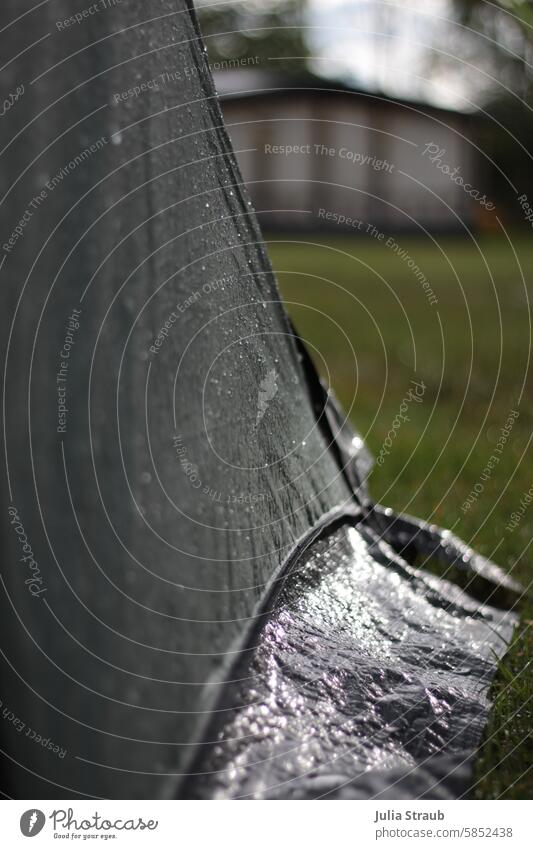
column 369, row 680
column 210, row 603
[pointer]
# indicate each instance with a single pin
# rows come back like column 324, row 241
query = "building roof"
column 240, row 83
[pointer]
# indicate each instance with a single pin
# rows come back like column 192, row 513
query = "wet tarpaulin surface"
column 169, row 452
column 369, row 680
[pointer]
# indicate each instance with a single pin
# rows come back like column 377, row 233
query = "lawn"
column 364, row 309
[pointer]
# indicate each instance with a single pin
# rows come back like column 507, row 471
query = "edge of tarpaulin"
column 214, row 703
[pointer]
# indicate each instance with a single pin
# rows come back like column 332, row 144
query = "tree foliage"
column 269, row 30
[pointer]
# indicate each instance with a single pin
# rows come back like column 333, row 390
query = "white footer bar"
column 267, row 825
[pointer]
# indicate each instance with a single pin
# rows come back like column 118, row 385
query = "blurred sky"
column 413, row 49
column 392, row 46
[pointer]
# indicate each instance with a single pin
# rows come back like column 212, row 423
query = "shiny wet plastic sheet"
column 369, row 680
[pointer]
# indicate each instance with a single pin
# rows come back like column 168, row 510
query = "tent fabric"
column 191, row 456
column 189, row 461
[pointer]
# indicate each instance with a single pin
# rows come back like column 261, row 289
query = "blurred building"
column 308, row 147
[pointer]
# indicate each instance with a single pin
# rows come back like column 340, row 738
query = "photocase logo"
column 32, row 822
column 268, row 389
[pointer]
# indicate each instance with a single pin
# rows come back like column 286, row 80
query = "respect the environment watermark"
column 83, row 14
column 402, row 254
column 178, row 75
column 366, row 228
column 51, row 184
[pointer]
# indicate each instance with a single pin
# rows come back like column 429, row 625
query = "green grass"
column 372, row 327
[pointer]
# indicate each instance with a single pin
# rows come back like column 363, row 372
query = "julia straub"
column 390, row 814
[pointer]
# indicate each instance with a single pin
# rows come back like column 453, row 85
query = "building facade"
column 315, row 154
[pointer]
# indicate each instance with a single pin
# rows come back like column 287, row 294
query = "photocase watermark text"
column 67, row 821
column 435, row 154
column 11, row 99
column 34, row 581
column 415, row 394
